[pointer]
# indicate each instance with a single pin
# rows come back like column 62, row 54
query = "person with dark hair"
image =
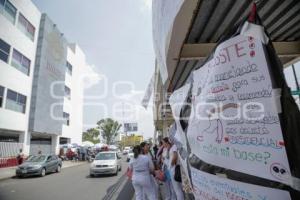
column 142, row 168
column 159, row 153
column 169, row 191
column 20, row 157
column 173, row 161
column 155, row 150
column 145, row 148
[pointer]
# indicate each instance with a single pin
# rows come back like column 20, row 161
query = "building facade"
column 131, row 140
column 41, row 94
column 18, row 41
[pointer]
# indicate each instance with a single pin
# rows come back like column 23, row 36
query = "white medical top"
column 141, row 165
column 172, row 150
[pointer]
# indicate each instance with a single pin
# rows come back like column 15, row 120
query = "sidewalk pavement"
column 161, row 194
column 8, row 172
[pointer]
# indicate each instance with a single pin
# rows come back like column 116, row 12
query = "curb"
column 64, row 167
column 6, row 178
column 114, row 190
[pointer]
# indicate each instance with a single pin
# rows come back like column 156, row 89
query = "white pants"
column 142, row 187
column 154, row 188
column 169, row 191
column 177, row 186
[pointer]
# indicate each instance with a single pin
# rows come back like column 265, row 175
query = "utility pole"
column 123, row 116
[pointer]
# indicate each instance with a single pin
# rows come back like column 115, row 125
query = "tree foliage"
column 91, row 135
column 109, row 129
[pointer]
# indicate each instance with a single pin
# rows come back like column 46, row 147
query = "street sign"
column 130, row 127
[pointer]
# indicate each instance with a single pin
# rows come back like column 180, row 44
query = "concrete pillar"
column 22, row 137
column 55, row 144
column 25, row 139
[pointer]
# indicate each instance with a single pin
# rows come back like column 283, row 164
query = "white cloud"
column 135, row 112
column 146, row 5
column 134, row 96
column 90, row 76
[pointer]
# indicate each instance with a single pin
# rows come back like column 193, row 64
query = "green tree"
column 91, row 135
column 109, row 129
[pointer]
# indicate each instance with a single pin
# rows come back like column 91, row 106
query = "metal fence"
column 8, row 153
column 9, row 149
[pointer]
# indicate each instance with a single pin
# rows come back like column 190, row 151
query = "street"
column 72, row 183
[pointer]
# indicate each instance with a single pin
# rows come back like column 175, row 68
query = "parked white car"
column 130, row 155
column 108, row 162
column 126, row 150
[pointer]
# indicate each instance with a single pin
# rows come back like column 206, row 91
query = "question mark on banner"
column 267, row 155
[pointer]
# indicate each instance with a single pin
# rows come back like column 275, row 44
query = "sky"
column 116, row 37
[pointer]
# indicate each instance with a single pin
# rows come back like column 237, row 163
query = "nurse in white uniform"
column 142, row 168
column 177, row 186
column 146, row 151
column 169, row 191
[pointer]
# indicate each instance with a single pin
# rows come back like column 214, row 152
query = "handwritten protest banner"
column 211, row 187
column 177, row 102
column 234, row 120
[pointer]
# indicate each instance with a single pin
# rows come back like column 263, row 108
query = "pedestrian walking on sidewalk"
column 169, row 192
column 20, row 157
column 159, row 154
column 145, row 147
column 177, row 186
column 155, row 150
column 142, row 168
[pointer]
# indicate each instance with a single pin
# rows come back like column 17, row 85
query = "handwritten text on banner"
column 234, row 121
column 211, row 187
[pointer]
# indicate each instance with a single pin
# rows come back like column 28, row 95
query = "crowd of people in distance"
column 149, row 169
column 80, row 153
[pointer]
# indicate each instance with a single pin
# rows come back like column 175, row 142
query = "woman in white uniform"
column 177, row 186
column 145, row 148
column 169, row 191
column 142, row 168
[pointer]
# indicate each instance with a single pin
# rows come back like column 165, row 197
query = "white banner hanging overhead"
column 148, row 93
column 234, row 121
column 163, row 16
column 177, row 101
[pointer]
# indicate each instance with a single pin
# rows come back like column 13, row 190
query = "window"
column 69, row 68
column 1, row 95
column 8, row 10
column 15, row 101
column 106, row 156
column 67, row 92
column 20, row 62
column 26, row 27
column 4, row 51
column 66, row 117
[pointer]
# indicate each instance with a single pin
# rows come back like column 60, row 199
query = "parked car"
column 126, row 150
column 119, row 152
column 106, row 162
column 129, row 155
column 39, row 165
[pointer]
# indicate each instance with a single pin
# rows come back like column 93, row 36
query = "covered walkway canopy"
column 186, row 31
